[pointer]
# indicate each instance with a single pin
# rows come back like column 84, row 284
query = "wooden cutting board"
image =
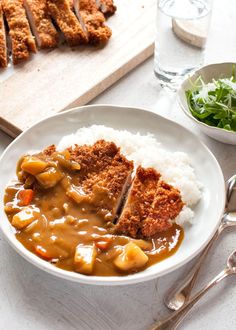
column 63, row 78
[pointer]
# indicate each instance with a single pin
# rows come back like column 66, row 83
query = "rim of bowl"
column 186, row 109
column 110, row 280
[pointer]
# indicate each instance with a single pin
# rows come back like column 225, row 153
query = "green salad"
column 214, row 103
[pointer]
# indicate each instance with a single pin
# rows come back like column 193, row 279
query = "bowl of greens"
column 208, row 97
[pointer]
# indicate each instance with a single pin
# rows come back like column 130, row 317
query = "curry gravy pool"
column 59, row 229
column 64, row 210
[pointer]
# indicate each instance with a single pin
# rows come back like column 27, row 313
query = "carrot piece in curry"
column 42, row 252
column 25, row 196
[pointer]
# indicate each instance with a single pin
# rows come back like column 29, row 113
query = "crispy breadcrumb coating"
column 98, row 32
column 71, row 3
column 166, row 206
column 111, row 177
column 139, row 201
column 3, row 45
column 93, row 21
column 94, row 158
column 89, row 5
column 150, row 206
column 107, row 7
column 41, row 24
column 104, row 176
column 21, row 38
column 50, row 150
column 66, row 20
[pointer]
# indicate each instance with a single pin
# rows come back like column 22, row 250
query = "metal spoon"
column 172, row 322
column 181, row 290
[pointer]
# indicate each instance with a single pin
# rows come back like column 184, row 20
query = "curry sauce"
column 72, row 235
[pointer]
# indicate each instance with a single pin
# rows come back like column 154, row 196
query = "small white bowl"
column 208, row 72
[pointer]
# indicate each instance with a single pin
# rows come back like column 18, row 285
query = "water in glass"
column 182, row 27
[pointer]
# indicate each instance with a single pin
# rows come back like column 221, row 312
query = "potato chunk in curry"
column 84, row 258
column 132, row 257
column 49, row 178
column 23, row 218
column 33, row 165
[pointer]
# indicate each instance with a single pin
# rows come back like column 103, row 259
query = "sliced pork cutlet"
column 44, row 31
column 107, row 7
column 71, row 3
column 166, row 207
column 140, row 198
column 92, row 21
column 150, row 207
column 104, row 178
column 94, row 158
column 22, row 41
column 107, row 188
column 61, row 12
column 3, row 43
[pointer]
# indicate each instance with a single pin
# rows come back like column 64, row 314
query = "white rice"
column 175, row 167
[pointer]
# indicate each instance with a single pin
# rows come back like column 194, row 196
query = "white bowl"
column 208, row 72
column 172, row 136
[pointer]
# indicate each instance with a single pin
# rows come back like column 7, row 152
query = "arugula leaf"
column 214, row 103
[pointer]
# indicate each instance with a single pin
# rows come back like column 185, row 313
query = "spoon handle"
column 172, row 322
column 180, row 291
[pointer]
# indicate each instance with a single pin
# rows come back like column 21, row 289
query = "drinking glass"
column 182, row 28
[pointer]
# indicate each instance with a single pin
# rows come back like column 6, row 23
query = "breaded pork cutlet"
column 106, row 189
column 166, row 206
column 95, row 158
column 71, row 3
column 139, row 201
column 22, row 41
column 104, row 178
column 3, row 44
column 107, row 7
column 150, row 206
column 44, row 31
column 66, row 20
column 92, row 21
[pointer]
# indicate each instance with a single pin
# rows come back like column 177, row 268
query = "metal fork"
column 181, row 290
column 173, row 321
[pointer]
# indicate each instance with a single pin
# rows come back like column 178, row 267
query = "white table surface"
column 32, row 299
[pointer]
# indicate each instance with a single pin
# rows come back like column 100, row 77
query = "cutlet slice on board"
column 107, row 7
column 44, row 31
column 92, row 21
column 22, row 41
column 61, row 12
column 3, row 43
